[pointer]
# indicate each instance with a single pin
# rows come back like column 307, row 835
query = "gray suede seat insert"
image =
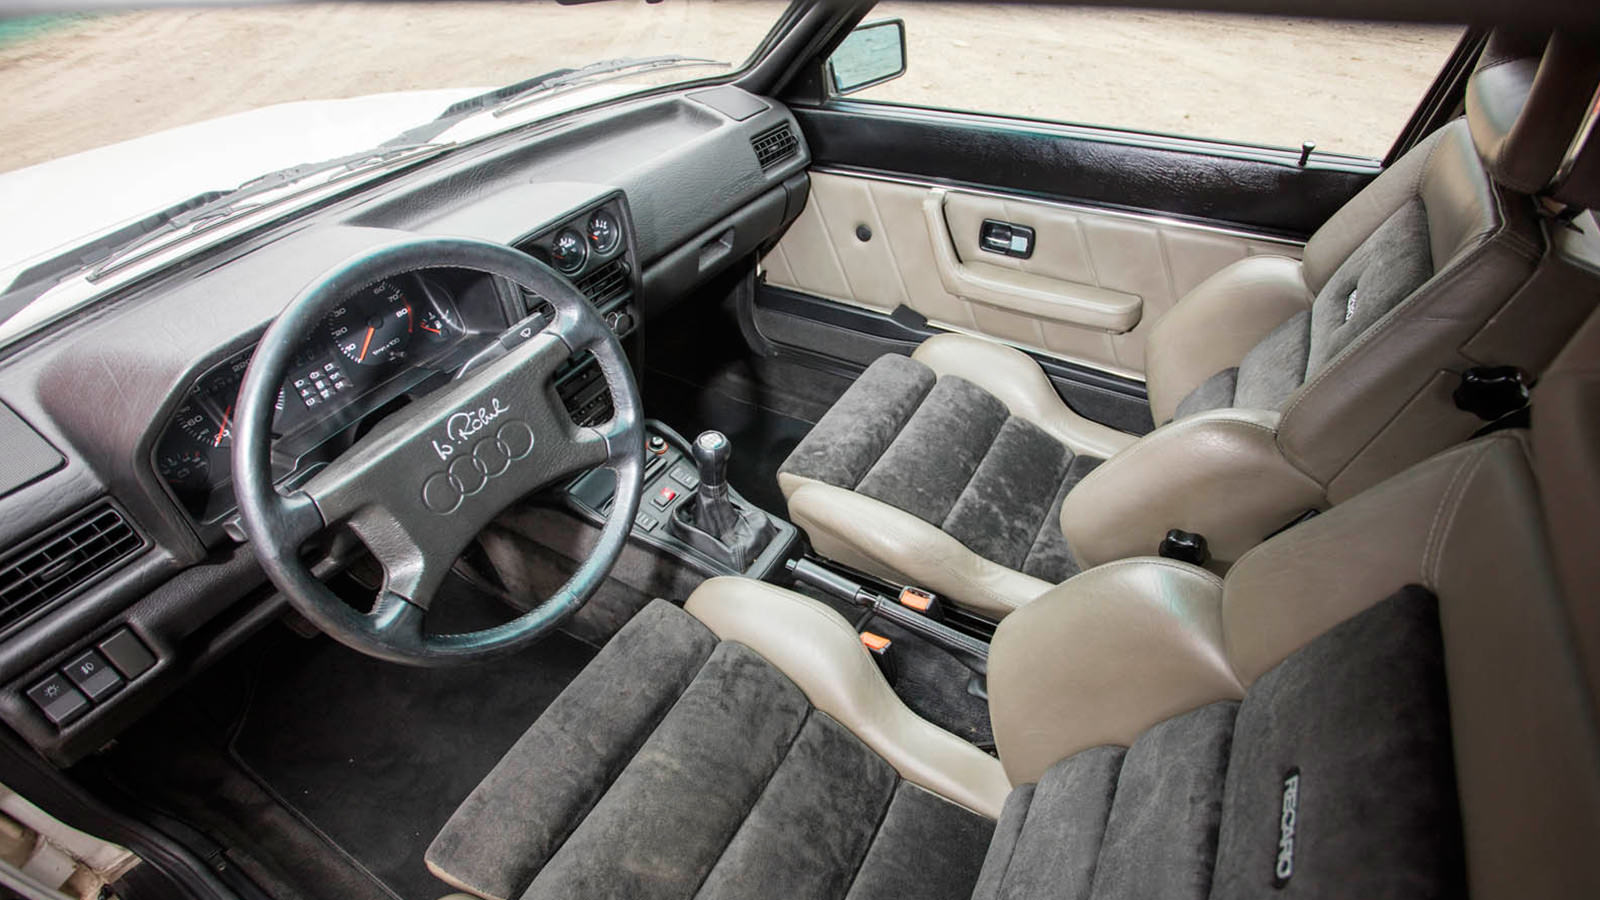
column 1195, row 807
column 949, row 453
column 1385, row 269
column 676, row 766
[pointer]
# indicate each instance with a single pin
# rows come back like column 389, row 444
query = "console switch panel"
column 129, row 654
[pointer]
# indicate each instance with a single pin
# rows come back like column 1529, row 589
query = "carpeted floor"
column 376, row 756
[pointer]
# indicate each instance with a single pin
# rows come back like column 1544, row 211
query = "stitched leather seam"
column 827, row 238
column 923, row 558
column 1445, row 516
column 1436, row 286
column 894, row 261
column 837, row 623
column 1119, row 461
column 1206, row 575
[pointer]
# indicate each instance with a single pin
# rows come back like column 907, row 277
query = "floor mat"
column 376, row 756
column 762, row 438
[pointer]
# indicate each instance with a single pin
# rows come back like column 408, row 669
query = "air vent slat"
column 63, row 561
column 606, row 283
column 775, row 145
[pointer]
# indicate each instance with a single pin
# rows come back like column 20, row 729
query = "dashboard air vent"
column 583, row 390
column 775, row 145
column 606, row 283
column 65, row 559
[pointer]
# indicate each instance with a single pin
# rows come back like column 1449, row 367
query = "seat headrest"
column 1526, row 100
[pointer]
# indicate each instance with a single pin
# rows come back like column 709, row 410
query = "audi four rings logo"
column 468, row 472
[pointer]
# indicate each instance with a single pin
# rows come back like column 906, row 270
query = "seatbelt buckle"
column 881, row 649
column 919, row 600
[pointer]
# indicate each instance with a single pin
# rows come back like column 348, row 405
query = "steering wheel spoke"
column 422, row 484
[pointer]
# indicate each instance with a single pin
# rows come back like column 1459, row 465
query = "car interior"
column 736, row 489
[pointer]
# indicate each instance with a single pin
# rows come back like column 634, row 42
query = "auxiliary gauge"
column 604, row 232
column 569, row 251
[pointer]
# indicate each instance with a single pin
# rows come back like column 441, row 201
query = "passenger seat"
column 1285, row 385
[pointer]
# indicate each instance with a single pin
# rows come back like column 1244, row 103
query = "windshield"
column 124, row 127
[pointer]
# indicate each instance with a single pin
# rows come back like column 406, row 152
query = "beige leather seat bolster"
column 878, row 539
column 1103, row 657
column 1218, row 474
column 1217, row 323
column 819, row 651
column 1310, row 578
column 1022, row 386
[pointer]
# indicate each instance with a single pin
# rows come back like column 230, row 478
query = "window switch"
column 94, row 676
column 60, row 702
column 128, row 654
column 687, row 478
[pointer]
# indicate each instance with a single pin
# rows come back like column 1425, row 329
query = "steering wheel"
column 421, row 485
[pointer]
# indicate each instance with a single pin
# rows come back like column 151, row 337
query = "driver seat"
column 1395, row 698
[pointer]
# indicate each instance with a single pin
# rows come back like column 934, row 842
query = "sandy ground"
column 98, row 80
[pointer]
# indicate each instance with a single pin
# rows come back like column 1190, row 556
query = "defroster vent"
column 65, row 559
column 775, row 145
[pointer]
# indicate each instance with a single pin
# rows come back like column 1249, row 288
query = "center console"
column 690, row 511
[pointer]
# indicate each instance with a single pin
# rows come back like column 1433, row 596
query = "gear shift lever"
column 713, row 511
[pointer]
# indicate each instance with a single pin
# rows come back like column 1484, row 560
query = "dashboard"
column 389, row 342
column 388, row 339
column 127, row 407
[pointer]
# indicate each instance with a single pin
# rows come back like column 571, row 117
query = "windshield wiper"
column 219, row 207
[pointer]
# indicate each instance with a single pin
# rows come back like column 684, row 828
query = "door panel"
column 1071, row 299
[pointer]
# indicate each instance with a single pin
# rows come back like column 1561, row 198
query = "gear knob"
column 711, row 450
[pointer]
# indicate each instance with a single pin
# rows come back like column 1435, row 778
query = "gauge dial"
column 374, row 326
column 568, row 251
column 604, row 233
column 203, row 426
column 185, row 469
column 433, row 325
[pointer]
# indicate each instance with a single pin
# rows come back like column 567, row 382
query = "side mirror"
column 869, row 55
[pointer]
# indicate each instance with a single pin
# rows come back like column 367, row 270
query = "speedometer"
column 374, row 326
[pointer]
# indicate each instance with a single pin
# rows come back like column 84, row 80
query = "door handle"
column 1006, row 239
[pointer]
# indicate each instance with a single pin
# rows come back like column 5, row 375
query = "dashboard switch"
column 94, row 676
column 129, row 654
column 60, row 702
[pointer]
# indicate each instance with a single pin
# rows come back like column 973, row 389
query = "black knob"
column 711, row 450
column 1184, row 546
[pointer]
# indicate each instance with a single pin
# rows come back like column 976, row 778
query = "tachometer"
column 374, row 326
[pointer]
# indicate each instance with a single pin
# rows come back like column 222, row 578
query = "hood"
column 67, row 200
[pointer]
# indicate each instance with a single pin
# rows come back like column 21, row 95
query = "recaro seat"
column 1289, row 384
column 1389, row 700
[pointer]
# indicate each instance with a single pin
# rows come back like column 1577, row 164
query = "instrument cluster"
column 387, row 340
